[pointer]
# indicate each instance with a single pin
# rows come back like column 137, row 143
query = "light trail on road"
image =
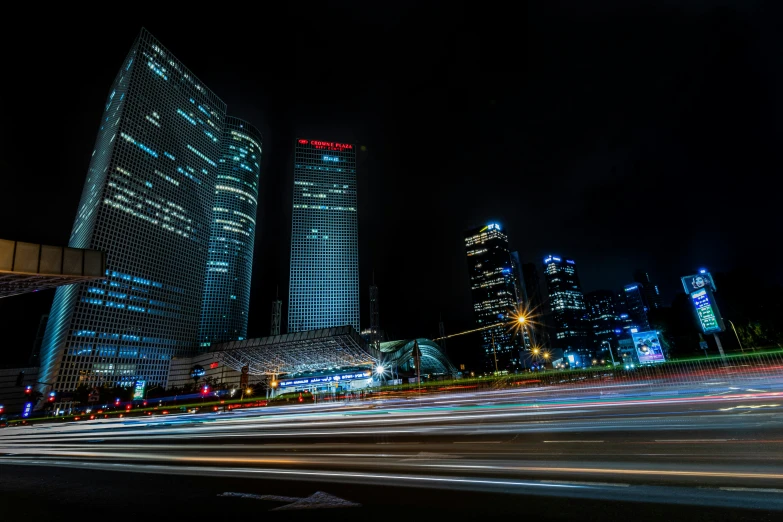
column 678, row 438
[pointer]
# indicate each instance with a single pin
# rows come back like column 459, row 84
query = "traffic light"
column 52, row 396
column 19, row 379
column 205, row 389
column 2, row 408
column 28, row 390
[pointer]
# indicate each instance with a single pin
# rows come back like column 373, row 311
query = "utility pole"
column 494, row 353
column 277, row 306
column 442, row 335
column 375, row 327
column 417, row 359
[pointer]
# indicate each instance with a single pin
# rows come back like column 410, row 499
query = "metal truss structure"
column 432, row 358
column 307, row 351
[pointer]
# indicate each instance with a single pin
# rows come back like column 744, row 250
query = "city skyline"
column 417, row 149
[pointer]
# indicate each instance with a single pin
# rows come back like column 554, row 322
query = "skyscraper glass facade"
column 232, row 235
column 324, row 277
column 148, row 203
column 492, row 287
column 567, row 303
column 636, row 305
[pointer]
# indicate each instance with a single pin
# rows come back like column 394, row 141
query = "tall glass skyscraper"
column 494, row 294
column 232, row 235
column 324, row 283
column 148, row 202
column 569, row 314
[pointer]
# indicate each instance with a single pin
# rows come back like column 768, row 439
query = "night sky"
column 622, row 137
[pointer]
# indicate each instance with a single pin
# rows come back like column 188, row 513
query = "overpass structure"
column 30, row 267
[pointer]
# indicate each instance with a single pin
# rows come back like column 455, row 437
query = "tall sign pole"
column 700, row 288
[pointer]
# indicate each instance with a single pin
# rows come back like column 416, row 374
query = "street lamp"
column 736, row 335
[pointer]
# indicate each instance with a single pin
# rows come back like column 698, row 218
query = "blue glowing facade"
column 232, row 235
column 324, row 282
column 148, row 202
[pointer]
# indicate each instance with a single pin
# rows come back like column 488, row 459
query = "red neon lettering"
column 213, row 365
column 303, row 142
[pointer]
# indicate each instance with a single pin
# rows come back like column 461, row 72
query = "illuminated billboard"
column 696, row 282
column 648, row 347
column 138, row 390
column 707, row 311
column 321, row 379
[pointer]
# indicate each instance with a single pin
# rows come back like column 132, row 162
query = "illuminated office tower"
column 324, row 282
column 232, row 235
column 494, row 293
column 148, row 203
column 569, row 314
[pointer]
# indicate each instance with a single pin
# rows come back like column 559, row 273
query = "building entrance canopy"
column 299, row 352
column 315, row 351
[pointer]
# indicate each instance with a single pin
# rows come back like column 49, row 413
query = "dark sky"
column 621, row 134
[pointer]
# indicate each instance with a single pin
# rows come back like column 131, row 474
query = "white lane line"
column 692, row 440
column 579, row 483
column 759, row 490
column 551, row 441
column 478, row 442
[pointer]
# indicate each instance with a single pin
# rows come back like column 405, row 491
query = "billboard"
column 693, row 283
column 648, row 347
column 138, row 390
column 707, row 311
column 366, row 374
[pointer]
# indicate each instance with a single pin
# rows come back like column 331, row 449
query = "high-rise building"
column 636, row 306
column 651, row 292
column 492, row 287
column 523, row 302
column 148, row 202
column 224, row 312
column 567, row 303
column 324, row 282
column 606, row 321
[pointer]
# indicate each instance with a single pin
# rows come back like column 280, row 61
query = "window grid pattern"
column 147, row 203
column 224, row 313
column 493, row 290
column 567, row 302
column 324, row 273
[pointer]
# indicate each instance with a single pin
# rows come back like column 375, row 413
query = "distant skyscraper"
column 324, row 283
column 494, row 294
column 607, row 322
column 636, row 305
column 148, row 202
column 652, row 294
column 232, row 235
column 523, row 299
column 569, row 315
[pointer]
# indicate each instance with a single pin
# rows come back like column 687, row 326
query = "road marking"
column 318, row 500
column 692, row 440
column 579, row 483
column 478, row 442
column 759, row 490
column 551, row 441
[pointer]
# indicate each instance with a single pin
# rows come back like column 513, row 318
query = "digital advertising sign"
column 366, row 374
column 696, row 282
column 648, row 347
column 707, row 311
column 138, row 390
column 27, row 409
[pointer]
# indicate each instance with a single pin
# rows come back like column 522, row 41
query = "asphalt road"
column 617, row 452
